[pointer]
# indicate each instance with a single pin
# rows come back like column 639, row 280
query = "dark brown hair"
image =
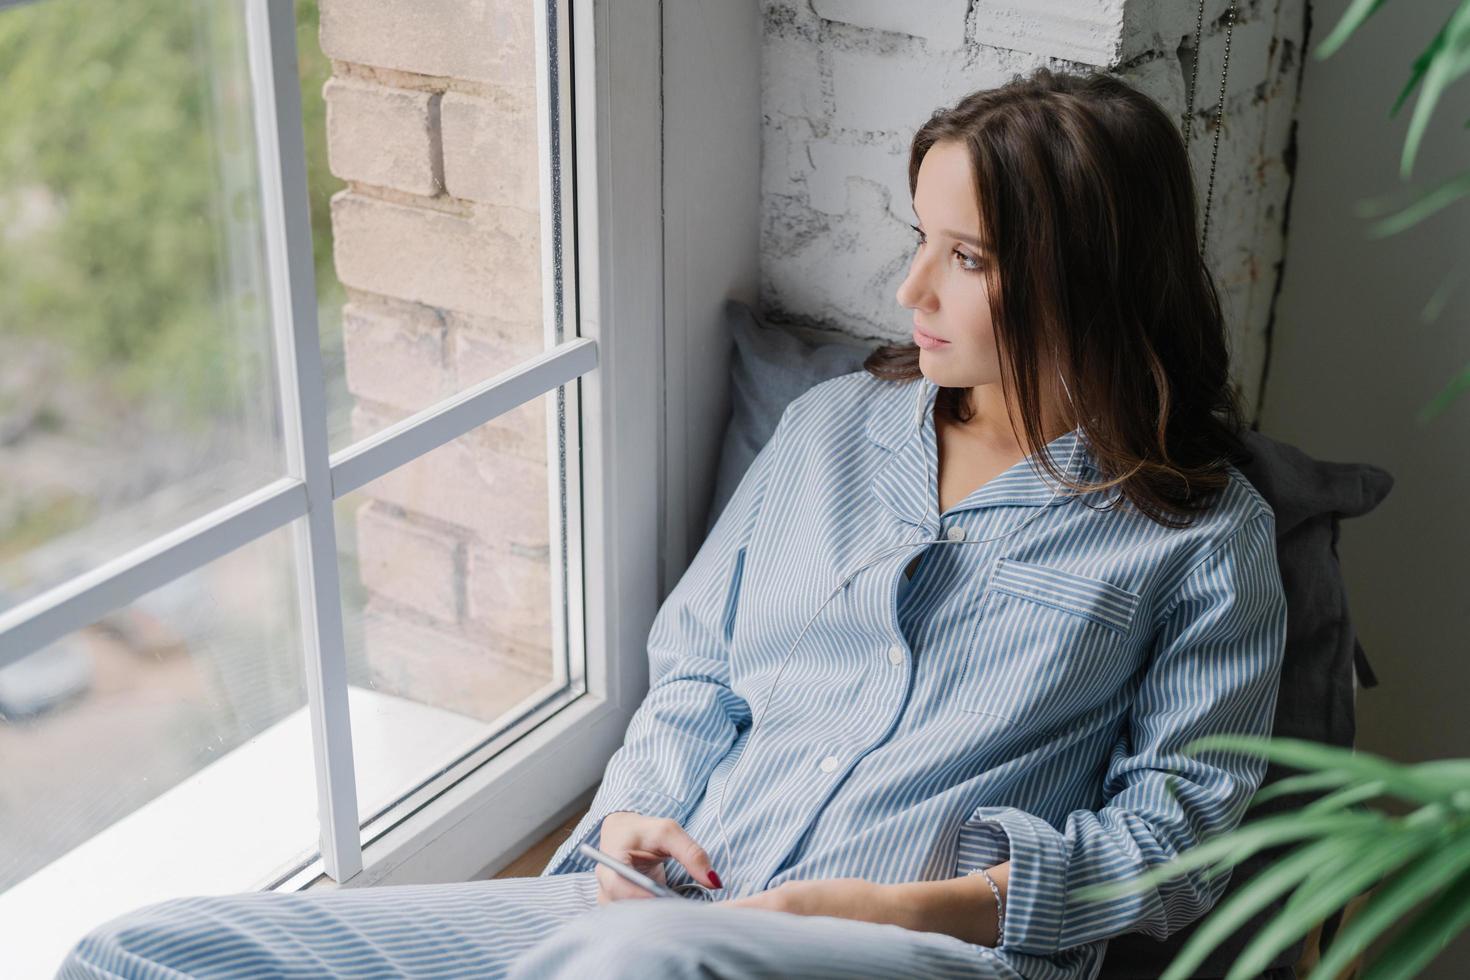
column 1088, row 204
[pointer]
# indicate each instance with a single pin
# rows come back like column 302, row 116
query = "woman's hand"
column 644, row 843
column 846, row 898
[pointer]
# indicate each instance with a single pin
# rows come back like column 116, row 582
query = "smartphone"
column 630, row 874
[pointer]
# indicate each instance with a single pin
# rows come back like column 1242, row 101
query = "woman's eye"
column 967, row 262
column 974, row 265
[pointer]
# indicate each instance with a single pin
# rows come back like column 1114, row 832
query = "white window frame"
column 480, row 813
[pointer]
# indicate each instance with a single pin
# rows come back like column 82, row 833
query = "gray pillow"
column 770, row 368
column 1324, row 662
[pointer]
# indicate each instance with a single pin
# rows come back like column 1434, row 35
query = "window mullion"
column 86, row 598
column 285, row 211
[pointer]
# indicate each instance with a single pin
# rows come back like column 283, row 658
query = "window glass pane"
column 433, row 157
column 136, row 382
column 164, row 750
column 452, row 574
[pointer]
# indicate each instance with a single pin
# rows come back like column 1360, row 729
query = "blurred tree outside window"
column 137, row 391
column 122, row 303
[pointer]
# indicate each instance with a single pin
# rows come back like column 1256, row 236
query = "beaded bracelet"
column 1000, row 908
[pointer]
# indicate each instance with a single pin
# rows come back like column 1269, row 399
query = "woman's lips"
column 927, row 342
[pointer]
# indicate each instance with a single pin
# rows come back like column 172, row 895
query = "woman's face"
column 946, row 285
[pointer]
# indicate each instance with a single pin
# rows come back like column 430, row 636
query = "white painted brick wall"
column 846, row 83
column 1088, row 32
column 888, row 91
column 940, row 22
column 1159, row 25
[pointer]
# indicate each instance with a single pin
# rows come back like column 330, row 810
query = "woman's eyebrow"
column 959, row 236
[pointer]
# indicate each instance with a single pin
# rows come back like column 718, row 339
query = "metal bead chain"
column 1199, row 27
column 1000, row 907
column 1219, row 111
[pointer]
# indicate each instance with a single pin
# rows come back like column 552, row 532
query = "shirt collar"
column 907, row 482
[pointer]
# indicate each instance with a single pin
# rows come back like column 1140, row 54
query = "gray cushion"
column 772, row 366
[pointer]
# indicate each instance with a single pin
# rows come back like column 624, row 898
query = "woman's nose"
column 914, row 293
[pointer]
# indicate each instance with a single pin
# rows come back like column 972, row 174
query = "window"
column 316, row 556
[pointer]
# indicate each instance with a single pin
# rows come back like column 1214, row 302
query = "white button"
column 895, row 655
column 829, row 763
column 955, row 533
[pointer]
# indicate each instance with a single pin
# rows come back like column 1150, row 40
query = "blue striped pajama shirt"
column 1025, row 701
column 1021, row 699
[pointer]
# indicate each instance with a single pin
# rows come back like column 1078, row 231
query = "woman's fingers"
column 688, row 853
column 611, row 887
column 666, row 838
column 616, row 887
column 644, row 843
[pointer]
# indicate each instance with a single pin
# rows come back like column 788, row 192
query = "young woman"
column 934, row 666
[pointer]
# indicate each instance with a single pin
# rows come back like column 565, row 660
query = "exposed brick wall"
column 846, row 83
column 382, row 136
column 431, row 122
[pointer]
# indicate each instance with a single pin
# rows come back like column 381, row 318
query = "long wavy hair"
column 1086, row 196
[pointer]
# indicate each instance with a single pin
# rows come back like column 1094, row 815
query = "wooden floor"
column 530, row 863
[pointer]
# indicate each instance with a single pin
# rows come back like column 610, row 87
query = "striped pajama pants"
column 541, row 927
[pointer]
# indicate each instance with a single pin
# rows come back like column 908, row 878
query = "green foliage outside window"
column 112, row 144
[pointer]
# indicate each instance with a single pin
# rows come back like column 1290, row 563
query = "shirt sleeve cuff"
column 1036, row 891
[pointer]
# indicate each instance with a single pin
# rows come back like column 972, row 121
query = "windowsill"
column 232, row 827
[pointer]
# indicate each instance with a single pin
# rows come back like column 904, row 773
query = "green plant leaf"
column 1236, row 846
column 1316, row 880
column 1421, row 65
column 1427, row 874
column 1441, row 295
column 1422, row 941
column 1352, row 18
column 1453, row 770
column 1435, row 199
column 1373, row 863
column 1307, row 783
column 1401, row 780
column 1319, row 755
column 1345, row 797
column 1271, row 882
column 1447, row 65
column 1377, row 207
column 1458, row 385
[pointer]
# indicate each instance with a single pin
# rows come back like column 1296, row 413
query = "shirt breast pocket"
column 1048, row 643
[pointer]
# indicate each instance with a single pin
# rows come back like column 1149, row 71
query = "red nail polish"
column 715, row 878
